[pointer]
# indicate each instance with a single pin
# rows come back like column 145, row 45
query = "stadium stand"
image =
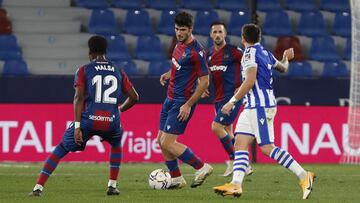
column 137, row 22
column 300, row 5
column 289, row 42
column 312, row 24
column 233, row 5
column 323, row 49
column 163, row 4
column 92, row 4
column 300, row 69
column 237, row 20
column 342, row 24
column 15, row 67
column 166, row 24
column 128, row 4
column 203, row 20
column 103, row 22
column 335, row 69
column 277, row 23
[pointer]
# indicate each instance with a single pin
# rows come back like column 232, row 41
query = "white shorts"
column 257, row 122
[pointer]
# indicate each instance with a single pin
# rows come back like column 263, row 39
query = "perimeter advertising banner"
column 29, row 132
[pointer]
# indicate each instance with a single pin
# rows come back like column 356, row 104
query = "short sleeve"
column 79, row 80
column 200, row 63
column 248, row 59
column 126, row 84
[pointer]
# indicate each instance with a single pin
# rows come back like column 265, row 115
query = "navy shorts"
column 225, row 119
column 169, row 122
column 113, row 137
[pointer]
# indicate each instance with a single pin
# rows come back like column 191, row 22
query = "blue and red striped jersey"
column 188, row 64
column 104, row 84
column 224, row 65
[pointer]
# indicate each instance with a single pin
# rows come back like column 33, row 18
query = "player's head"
column 97, row 46
column 218, row 32
column 183, row 26
column 251, row 34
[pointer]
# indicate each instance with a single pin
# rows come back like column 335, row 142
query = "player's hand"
column 78, row 136
column 289, row 54
column 205, row 94
column 226, row 109
column 164, row 77
column 184, row 112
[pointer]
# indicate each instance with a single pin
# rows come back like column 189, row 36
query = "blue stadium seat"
column 117, row 49
column 300, row 69
column 137, row 22
column 277, row 23
column 209, row 42
column 163, row 4
column 92, row 4
column 233, row 5
column 166, row 24
column 323, row 49
column 203, row 21
column 197, row 5
column 347, row 51
column 15, row 67
column 312, row 24
column 128, row 4
column 237, row 20
column 102, row 21
column 301, row 5
column 335, row 5
column 159, row 67
column 268, row 5
column 9, row 48
column 128, row 66
column 335, row 69
column 342, row 24
column 149, row 48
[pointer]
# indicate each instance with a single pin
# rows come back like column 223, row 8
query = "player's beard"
column 219, row 42
column 182, row 38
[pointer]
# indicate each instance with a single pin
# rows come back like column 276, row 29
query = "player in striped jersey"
column 188, row 66
column 224, row 64
column 256, row 121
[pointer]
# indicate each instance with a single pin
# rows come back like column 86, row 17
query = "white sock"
column 112, row 183
column 241, row 162
column 38, row 187
column 286, row 160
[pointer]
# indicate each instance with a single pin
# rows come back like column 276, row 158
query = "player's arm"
column 79, row 100
column 130, row 91
column 133, row 98
column 164, row 77
column 200, row 89
column 283, row 65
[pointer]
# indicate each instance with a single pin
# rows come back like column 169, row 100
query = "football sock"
column 190, row 158
column 241, row 162
column 115, row 160
column 228, row 145
column 286, row 160
column 51, row 163
column 173, row 167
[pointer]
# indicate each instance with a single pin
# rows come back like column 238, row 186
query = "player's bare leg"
column 234, row 188
column 177, row 180
column 169, row 143
column 285, row 159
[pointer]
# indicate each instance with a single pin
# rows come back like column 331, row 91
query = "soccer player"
column 224, row 64
column 98, row 87
column 188, row 66
column 256, row 121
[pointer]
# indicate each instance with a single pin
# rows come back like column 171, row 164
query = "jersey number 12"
column 101, row 96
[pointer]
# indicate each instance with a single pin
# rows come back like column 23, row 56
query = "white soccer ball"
column 159, row 179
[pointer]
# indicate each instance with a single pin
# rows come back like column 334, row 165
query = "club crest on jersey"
column 105, row 67
column 176, row 64
column 247, row 57
column 183, row 55
column 226, row 56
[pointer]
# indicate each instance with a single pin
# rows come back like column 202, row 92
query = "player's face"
column 182, row 33
column 218, row 34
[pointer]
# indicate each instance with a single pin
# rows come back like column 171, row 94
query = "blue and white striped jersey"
column 261, row 95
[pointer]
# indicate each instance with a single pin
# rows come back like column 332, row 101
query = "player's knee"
column 216, row 128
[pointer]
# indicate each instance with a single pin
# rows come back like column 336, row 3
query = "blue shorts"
column 225, row 119
column 112, row 137
column 169, row 122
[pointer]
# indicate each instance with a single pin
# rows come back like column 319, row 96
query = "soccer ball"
column 159, row 179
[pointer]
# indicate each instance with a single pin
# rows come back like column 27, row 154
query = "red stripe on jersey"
column 237, row 58
column 217, row 59
column 170, row 91
column 80, row 77
column 126, row 84
column 100, row 123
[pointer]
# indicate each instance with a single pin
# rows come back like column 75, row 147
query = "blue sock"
column 189, row 157
column 173, row 167
column 228, row 146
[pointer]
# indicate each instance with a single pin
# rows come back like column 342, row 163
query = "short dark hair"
column 97, row 45
column 251, row 33
column 218, row 23
column 184, row 19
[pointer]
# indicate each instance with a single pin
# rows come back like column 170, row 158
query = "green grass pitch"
column 87, row 183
